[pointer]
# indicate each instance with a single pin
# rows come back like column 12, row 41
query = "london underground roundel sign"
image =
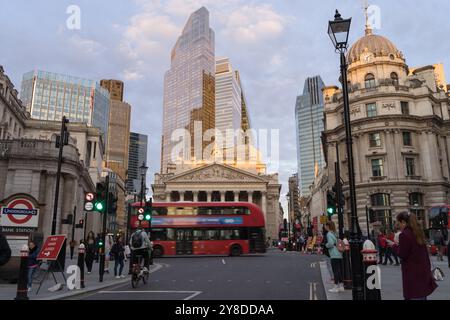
column 20, row 212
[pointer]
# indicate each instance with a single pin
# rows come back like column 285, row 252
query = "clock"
column 367, row 57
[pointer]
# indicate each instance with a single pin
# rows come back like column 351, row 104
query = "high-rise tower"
column 189, row 87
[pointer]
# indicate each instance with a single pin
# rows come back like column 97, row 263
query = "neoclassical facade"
column 222, row 183
column 400, row 130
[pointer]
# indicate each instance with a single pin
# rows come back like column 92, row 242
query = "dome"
column 375, row 44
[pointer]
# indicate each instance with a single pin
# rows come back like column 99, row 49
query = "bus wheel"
column 235, row 250
column 158, row 251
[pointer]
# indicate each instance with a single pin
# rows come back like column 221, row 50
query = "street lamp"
column 339, row 30
column 143, row 171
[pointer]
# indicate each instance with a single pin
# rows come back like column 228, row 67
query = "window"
column 410, row 167
column 374, row 140
column 394, row 78
column 416, row 199
column 369, row 81
column 377, row 168
column 407, row 140
column 371, row 110
column 416, row 203
column 405, row 108
column 383, row 215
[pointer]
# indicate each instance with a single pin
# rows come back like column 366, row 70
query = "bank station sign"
column 19, row 215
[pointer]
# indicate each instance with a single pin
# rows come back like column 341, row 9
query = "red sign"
column 51, row 248
column 135, row 223
column 20, row 213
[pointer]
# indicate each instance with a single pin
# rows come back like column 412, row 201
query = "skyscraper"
column 137, row 155
column 119, row 128
column 309, row 126
column 49, row 96
column 189, row 86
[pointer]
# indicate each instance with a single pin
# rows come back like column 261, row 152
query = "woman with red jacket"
column 418, row 282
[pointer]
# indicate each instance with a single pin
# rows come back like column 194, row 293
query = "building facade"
column 294, row 199
column 309, row 127
column 118, row 144
column 137, row 156
column 222, row 183
column 50, row 96
column 400, row 126
column 189, row 89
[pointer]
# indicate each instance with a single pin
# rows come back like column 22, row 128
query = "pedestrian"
column 418, row 282
column 335, row 257
column 389, row 252
column 98, row 239
column 32, row 262
column 90, row 244
column 439, row 243
column 109, row 241
column 5, row 250
column 118, row 253
column 381, row 245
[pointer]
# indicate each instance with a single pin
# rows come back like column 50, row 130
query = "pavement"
column 391, row 282
column 91, row 281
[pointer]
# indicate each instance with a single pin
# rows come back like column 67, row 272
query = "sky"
column 275, row 45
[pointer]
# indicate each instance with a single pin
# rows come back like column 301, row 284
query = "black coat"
column 5, row 251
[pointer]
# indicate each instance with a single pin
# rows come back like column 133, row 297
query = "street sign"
column 20, row 212
column 323, row 219
column 51, row 248
column 89, row 196
column 88, row 206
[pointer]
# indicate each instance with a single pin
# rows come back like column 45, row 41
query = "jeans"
column 336, row 265
column 118, row 263
column 141, row 252
column 31, row 271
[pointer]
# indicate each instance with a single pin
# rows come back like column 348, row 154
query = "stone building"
column 222, row 183
column 400, row 126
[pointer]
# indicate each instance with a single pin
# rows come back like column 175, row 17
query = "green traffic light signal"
column 99, row 206
column 148, row 217
column 330, row 211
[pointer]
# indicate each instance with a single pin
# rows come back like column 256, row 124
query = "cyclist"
column 140, row 246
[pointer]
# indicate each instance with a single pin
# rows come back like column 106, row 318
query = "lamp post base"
column 356, row 245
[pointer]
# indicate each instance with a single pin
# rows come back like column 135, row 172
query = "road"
column 275, row 275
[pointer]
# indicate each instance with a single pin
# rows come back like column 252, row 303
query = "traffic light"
column 331, row 203
column 140, row 213
column 66, row 134
column 112, row 203
column 148, row 210
column 100, row 201
column 80, row 224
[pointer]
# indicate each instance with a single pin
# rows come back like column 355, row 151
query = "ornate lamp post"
column 339, row 30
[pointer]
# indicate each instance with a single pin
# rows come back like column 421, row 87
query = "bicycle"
column 138, row 273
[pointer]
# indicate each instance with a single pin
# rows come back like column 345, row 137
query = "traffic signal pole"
column 339, row 194
column 105, row 214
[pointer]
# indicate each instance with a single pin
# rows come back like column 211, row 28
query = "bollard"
column 372, row 276
column 347, row 266
column 22, row 283
column 81, row 251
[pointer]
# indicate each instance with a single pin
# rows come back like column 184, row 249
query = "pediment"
column 217, row 173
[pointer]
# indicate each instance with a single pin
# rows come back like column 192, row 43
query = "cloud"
column 85, row 45
column 251, row 24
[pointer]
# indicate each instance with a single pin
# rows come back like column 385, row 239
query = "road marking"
column 209, row 280
column 313, row 265
column 191, row 280
column 223, row 261
column 267, row 282
column 313, row 291
column 192, row 293
column 228, row 280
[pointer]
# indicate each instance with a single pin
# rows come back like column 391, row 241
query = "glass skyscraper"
column 309, row 124
column 136, row 156
column 49, row 96
column 189, row 85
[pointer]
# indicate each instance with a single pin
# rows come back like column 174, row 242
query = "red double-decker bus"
column 200, row 228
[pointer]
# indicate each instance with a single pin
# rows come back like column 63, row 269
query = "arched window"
column 417, row 206
column 369, row 80
column 381, row 205
column 394, row 78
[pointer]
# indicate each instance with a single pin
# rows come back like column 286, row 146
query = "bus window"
column 203, row 211
column 438, row 217
column 158, row 235
column 159, row 211
column 212, row 235
column 198, row 235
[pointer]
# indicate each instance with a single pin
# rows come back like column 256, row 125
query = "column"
column 222, row 196
column 195, row 196
column 264, row 202
column 181, row 195
column 236, row 196
column 208, row 195
column 250, row 196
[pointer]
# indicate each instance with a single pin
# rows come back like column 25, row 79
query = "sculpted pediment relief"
column 217, row 173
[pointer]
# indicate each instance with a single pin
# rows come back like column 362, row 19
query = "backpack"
column 340, row 245
column 136, row 240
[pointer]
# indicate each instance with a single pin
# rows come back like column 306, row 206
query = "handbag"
column 437, row 273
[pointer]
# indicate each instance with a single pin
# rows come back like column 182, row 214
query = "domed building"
column 401, row 134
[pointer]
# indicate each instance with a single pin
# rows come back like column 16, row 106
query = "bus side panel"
column 168, row 246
